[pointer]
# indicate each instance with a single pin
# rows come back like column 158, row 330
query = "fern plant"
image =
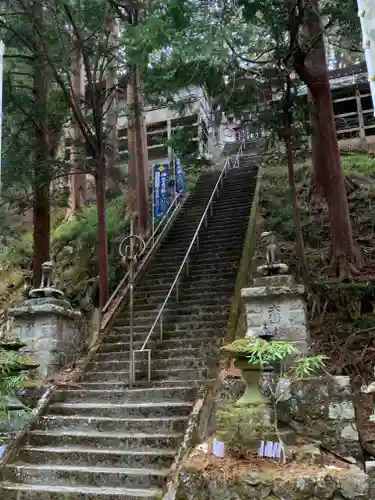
column 14, row 370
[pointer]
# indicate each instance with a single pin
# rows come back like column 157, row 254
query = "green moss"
column 238, row 347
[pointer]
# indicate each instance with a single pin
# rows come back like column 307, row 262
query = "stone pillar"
column 276, row 304
column 48, row 326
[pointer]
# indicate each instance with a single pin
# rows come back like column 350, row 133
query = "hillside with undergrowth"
column 73, row 245
column 341, row 315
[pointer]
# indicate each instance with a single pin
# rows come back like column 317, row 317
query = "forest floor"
column 343, row 325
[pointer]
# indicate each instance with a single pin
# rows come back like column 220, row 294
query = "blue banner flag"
column 160, row 189
column 179, row 176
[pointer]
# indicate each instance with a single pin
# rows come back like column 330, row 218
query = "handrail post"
column 149, row 365
column 131, row 304
column 131, row 255
column 161, row 328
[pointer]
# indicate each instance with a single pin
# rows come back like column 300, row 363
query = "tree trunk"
column 41, row 200
column 288, row 139
column 132, row 209
column 327, row 175
column 77, row 181
column 102, row 234
column 142, row 184
column 111, row 104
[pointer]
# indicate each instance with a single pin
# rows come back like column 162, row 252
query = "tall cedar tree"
column 328, row 176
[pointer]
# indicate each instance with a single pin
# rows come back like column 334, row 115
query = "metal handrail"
column 148, row 249
column 185, row 262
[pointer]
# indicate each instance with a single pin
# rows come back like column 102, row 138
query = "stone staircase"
column 103, row 441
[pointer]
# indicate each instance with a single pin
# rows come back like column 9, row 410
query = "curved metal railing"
column 185, row 263
column 121, row 290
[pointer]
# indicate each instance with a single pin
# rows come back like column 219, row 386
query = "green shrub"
column 242, row 427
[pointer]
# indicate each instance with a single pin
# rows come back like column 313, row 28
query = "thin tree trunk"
column 41, row 202
column 77, row 181
column 102, row 234
column 142, row 185
column 288, row 139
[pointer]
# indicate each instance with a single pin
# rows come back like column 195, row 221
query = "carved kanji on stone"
column 274, row 314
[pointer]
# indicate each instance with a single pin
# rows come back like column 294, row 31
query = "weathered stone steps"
column 104, row 440
column 117, row 344
column 78, row 475
column 100, row 440
column 154, row 394
column 110, row 424
column 184, row 374
column 155, row 458
column 19, row 491
column 123, row 410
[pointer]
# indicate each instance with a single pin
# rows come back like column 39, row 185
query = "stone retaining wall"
column 322, row 408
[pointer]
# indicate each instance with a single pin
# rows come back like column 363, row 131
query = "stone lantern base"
column 48, row 328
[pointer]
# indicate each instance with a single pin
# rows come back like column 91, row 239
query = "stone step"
column 204, row 260
column 220, row 212
column 228, row 237
column 168, row 271
column 78, row 475
column 174, row 318
column 124, row 410
column 17, row 491
column 203, row 342
column 182, row 238
column 174, row 331
column 211, row 295
column 183, row 374
column 141, row 364
column 203, row 316
column 161, row 279
column 102, row 386
column 188, row 303
column 104, row 440
column 167, row 277
column 153, row 394
column 237, row 189
column 226, row 229
column 199, row 269
column 119, row 355
column 229, row 195
column 226, row 248
column 237, row 213
column 205, row 292
column 108, row 424
column 162, row 458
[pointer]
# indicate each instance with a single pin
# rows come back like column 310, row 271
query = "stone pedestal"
column 276, row 304
column 49, row 328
